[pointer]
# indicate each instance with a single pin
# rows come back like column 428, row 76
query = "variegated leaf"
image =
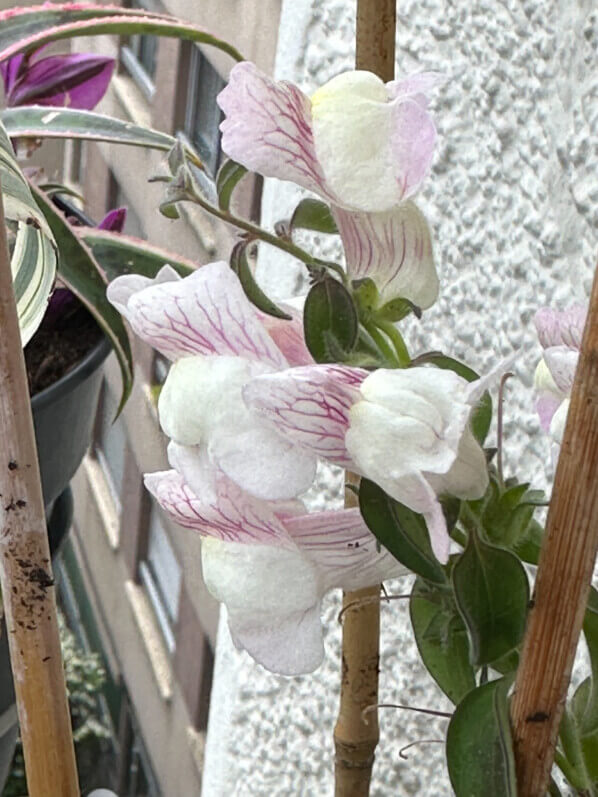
column 27, row 28
column 33, row 258
column 47, row 122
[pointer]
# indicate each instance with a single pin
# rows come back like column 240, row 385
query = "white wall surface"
column 513, row 202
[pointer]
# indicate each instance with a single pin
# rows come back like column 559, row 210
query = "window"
column 111, row 443
column 136, row 777
column 203, row 116
column 138, row 55
column 160, row 574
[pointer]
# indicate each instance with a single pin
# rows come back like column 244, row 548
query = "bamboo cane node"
column 539, row 716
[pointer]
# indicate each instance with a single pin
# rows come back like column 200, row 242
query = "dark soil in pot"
column 58, row 345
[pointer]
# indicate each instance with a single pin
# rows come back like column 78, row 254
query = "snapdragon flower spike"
column 405, row 429
column 362, row 145
column 271, row 565
column 75, row 80
column 218, row 342
column 560, row 333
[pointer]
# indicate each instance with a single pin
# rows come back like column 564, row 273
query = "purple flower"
column 114, row 220
column 76, row 80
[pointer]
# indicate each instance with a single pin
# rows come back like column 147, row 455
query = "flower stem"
column 387, row 350
column 256, row 232
column 398, row 342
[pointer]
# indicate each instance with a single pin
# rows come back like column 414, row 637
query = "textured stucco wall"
column 513, row 201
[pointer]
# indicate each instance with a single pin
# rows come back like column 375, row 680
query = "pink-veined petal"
column 546, row 406
column 309, row 405
column 413, row 138
column 562, row 363
column 561, row 327
column 394, row 249
column 204, row 313
column 231, row 515
column 343, row 548
column 268, row 128
column 76, row 80
column 288, row 336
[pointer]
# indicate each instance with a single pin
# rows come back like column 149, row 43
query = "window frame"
column 149, row 579
column 131, row 61
column 198, row 61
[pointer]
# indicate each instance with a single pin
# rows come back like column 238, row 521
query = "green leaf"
column 53, row 189
column 481, row 415
column 570, row 738
column 169, row 210
column 330, row 321
column 441, row 639
column 47, row 122
column 586, row 697
column 119, row 254
column 227, row 179
column 400, row 531
column 528, row 546
column 240, row 265
column 24, row 29
column 492, row 595
column 33, row 256
column 479, row 747
column 82, row 275
column 312, row 214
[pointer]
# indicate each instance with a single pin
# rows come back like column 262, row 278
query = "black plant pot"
column 63, row 416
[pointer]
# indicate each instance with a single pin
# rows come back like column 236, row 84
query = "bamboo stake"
column 355, row 740
column 375, row 37
column 26, row 572
column 563, row 578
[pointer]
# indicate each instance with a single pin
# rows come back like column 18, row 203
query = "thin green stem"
column 257, row 232
column 397, row 340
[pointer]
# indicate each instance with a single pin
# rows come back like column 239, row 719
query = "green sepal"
column 229, row 176
column 315, row 215
column 240, row 265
